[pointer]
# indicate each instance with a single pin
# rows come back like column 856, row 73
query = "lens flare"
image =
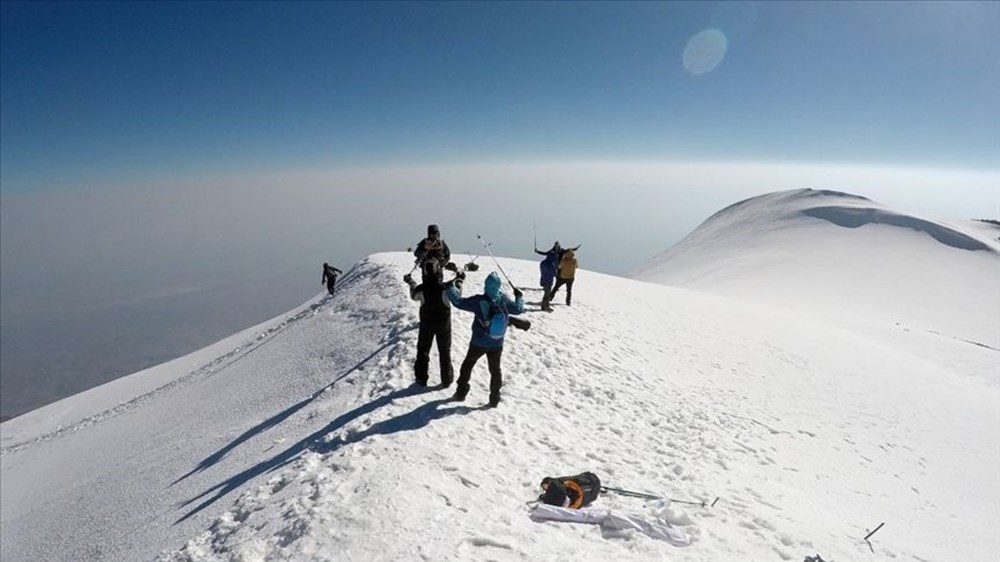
column 704, row 51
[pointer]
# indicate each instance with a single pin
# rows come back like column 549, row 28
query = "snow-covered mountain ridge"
column 302, row 438
column 854, row 262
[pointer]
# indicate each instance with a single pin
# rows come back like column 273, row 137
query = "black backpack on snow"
column 573, row 492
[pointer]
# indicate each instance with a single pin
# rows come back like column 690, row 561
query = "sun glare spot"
column 704, row 51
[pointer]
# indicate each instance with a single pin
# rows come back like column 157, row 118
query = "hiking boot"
column 419, row 382
column 459, row 396
column 494, row 401
column 445, row 383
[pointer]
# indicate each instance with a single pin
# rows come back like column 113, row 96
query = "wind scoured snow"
column 844, row 259
column 314, row 445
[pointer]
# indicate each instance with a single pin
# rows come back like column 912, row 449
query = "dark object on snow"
column 472, row 265
column 869, row 535
column 519, row 323
column 816, row 558
column 573, row 492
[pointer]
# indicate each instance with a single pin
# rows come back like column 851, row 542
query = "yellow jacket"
column 567, row 265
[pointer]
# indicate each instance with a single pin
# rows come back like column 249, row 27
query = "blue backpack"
column 496, row 325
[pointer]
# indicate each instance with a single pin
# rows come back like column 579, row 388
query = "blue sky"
column 99, row 94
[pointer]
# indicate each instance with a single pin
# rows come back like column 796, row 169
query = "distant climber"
column 491, row 311
column 565, row 275
column 433, row 247
column 549, row 268
column 435, row 321
column 330, row 276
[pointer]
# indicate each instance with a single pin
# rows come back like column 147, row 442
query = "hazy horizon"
column 129, row 280
column 172, row 172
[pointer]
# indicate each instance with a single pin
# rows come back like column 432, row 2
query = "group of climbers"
column 559, row 265
column 493, row 310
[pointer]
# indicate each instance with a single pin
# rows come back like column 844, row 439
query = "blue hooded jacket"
column 484, row 306
column 548, row 267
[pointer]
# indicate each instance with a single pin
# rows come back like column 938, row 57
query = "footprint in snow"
column 485, row 541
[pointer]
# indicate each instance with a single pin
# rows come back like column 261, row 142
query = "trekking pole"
column 417, row 263
column 630, row 493
column 534, row 232
column 869, row 535
column 487, row 246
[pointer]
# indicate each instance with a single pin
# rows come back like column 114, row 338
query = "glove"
column 451, row 266
column 517, row 293
column 408, row 278
column 460, row 275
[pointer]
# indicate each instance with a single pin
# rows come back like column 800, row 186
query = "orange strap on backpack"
column 571, row 485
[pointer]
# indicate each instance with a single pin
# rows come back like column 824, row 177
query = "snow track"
column 207, row 370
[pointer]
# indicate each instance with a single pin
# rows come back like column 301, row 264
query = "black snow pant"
column 546, row 295
column 493, row 361
column 439, row 328
column 569, row 289
column 330, row 284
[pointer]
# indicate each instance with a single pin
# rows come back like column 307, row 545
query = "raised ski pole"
column 630, row 493
column 487, row 246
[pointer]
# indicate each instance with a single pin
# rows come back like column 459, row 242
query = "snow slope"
column 851, row 261
column 302, row 438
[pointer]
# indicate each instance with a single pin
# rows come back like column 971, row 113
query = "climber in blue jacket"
column 491, row 311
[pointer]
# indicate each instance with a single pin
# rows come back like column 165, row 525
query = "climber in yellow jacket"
column 566, row 274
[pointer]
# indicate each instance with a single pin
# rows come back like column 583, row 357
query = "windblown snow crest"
column 855, row 217
column 847, row 257
column 770, row 211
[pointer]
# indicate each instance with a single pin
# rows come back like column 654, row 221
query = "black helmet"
column 432, row 230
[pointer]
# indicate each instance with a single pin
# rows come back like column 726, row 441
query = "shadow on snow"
column 288, row 412
column 315, row 442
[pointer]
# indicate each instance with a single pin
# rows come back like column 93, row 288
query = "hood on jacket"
column 492, row 286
